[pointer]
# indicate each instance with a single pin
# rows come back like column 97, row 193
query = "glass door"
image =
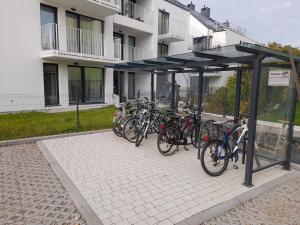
column 51, row 84
column 75, row 84
column 73, row 33
column 131, row 49
column 49, row 33
column 94, row 85
column 163, row 22
column 121, row 37
column 131, row 85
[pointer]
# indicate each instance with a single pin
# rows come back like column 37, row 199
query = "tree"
column 267, row 94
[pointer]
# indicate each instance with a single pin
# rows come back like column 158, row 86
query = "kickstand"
column 185, row 148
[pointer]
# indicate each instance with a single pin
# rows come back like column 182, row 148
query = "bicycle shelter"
column 239, row 58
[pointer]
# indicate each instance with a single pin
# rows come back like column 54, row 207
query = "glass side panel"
column 272, row 124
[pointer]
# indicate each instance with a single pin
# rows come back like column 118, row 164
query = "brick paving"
column 30, row 193
column 278, row 206
column 128, row 185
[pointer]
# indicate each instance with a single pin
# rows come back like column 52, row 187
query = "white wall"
column 181, row 15
column 21, row 67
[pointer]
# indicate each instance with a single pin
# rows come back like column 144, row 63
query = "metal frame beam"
column 254, row 96
column 152, row 87
column 291, row 116
column 173, row 92
column 199, row 103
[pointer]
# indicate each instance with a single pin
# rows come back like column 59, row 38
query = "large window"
column 84, row 34
column 87, row 84
column 48, row 17
column 162, row 50
column 51, row 84
column 163, row 22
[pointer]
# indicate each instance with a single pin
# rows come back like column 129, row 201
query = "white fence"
column 172, row 28
column 77, row 42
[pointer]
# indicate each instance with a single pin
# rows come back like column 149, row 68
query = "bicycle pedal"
column 235, row 167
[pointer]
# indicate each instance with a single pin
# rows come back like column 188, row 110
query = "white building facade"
column 56, row 50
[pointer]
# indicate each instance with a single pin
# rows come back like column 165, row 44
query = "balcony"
column 203, row 43
column 171, row 31
column 135, row 18
column 95, row 7
column 68, row 43
column 130, row 53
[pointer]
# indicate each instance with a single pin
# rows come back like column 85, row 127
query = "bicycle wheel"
column 140, row 136
column 165, row 139
column 214, row 158
column 116, row 127
column 200, row 137
column 131, row 129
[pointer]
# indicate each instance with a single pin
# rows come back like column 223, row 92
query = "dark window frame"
column 160, row 49
column 57, row 84
column 83, row 94
column 164, row 13
column 122, row 42
column 49, row 6
column 134, row 74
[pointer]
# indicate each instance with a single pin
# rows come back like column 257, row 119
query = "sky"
column 266, row 20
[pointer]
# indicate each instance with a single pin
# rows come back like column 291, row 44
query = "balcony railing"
column 137, row 12
column 111, row 3
column 73, row 42
column 171, row 30
column 131, row 53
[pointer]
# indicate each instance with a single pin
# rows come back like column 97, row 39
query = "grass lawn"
column 33, row 124
column 277, row 115
column 297, row 118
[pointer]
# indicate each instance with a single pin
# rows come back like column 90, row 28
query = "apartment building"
column 57, row 49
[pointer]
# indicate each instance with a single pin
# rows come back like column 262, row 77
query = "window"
column 131, row 85
column 121, row 38
column 84, row 34
column 132, row 55
column 163, row 22
column 51, row 84
column 87, row 84
column 162, row 50
column 48, row 16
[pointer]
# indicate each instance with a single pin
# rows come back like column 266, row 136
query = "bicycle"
column 217, row 152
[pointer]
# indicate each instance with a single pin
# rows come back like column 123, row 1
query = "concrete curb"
column 295, row 166
column 36, row 139
column 83, row 207
column 227, row 205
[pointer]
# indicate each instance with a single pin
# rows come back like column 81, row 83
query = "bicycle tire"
column 202, row 158
column 167, row 135
column 133, row 126
column 116, row 128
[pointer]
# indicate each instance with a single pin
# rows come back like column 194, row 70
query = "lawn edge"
column 41, row 138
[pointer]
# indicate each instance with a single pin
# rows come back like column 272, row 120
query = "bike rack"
column 240, row 57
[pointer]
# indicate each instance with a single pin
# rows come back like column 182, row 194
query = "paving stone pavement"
column 278, row 206
column 30, row 193
column 128, row 185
